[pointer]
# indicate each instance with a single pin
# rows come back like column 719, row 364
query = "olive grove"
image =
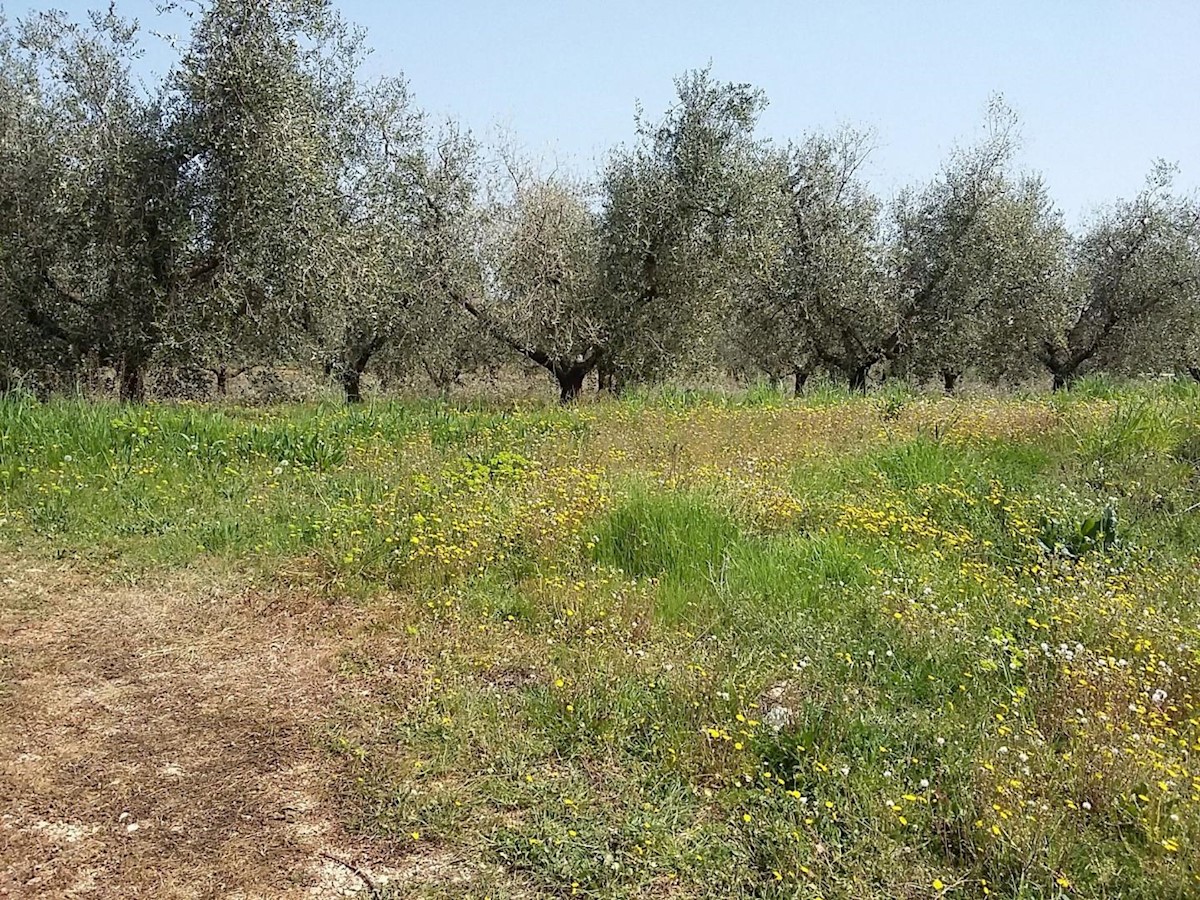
column 266, row 204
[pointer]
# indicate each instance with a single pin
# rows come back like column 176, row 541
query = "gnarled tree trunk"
column 607, row 381
column 570, row 381
column 350, row 374
column 858, row 379
column 131, row 379
column 1062, row 365
column 223, row 374
column 352, row 384
column 799, row 380
column 354, row 364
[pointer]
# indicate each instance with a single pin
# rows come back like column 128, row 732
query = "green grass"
column 670, row 536
column 707, row 646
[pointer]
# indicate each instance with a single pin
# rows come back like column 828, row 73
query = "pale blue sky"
column 1102, row 87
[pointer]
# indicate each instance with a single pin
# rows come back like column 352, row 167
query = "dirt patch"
column 159, row 742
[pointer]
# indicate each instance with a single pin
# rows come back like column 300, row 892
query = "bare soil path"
column 159, row 742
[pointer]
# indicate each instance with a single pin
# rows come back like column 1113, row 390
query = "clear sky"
column 1102, row 87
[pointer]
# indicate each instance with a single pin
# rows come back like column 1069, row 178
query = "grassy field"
column 675, row 646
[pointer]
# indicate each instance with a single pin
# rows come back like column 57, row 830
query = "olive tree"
column 399, row 247
column 675, row 217
column 99, row 248
column 1025, row 275
column 1137, row 276
column 540, row 291
column 30, row 334
column 856, row 290
column 952, row 245
column 816, row 296
column 1004, row 279
column 259, row 103
column 635, row 282
column 186, row 222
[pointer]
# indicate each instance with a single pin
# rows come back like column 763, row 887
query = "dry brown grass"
column 158, row 742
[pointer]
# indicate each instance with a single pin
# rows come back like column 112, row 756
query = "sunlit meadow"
column 684, row 645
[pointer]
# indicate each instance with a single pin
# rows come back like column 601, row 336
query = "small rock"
column 778, row 718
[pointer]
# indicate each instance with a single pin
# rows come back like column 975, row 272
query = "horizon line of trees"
column 265, row 204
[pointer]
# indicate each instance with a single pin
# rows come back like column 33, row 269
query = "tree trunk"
column 131, row 380
column 949, row 381
column 352, row 384
column 800, row 379
column 350, row 372
column 858, row 379
column 570, row 382
column 607, row 381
